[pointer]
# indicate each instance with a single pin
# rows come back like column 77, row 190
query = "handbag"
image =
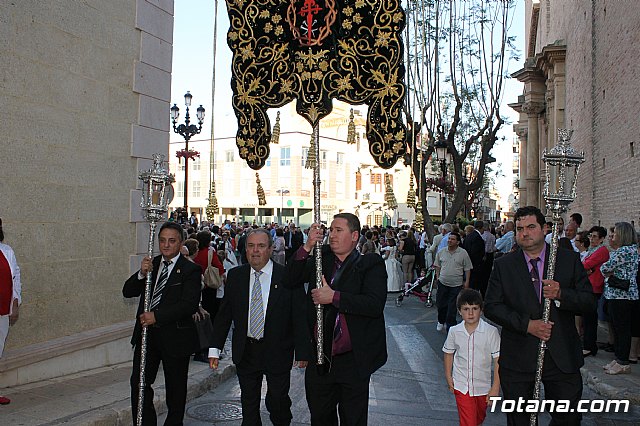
column 212, row 277
column 619, row 283
column 204, row 329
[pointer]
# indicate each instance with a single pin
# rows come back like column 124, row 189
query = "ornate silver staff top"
column 562, row 164
column 157, row 193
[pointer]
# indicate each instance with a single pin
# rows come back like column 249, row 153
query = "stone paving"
column 409, row 390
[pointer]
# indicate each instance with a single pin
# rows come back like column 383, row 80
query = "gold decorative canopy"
column 314, row 51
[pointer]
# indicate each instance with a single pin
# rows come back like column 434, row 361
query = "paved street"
column 409, row 390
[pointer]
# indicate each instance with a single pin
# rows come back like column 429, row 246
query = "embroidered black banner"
column 315, row 51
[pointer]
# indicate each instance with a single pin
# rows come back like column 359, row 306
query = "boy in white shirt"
column 470, row 349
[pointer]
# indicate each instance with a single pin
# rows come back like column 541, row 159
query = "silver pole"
column 318, row 247
column 143, row 343
column 542, row 346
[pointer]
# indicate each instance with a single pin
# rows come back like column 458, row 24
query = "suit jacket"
column 474, row 245
column 511, row 301
column 284, row 331
column 174, row 326
column 362, row 282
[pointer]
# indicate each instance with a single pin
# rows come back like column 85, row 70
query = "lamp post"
column 187, row 130
column 441, row 153
column 282, row 193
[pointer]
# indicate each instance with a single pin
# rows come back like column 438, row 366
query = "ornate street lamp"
column 187, row 130
column 157, row 193
column 562, row 164
column 442, row 154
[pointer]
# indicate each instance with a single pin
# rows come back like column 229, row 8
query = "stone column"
column 522, row 159
column 532, row 109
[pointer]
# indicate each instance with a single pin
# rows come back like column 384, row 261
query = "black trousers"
column 621, row 315
column 251, row 371
column 557, row 386
column 176, row 371
column 446, row 302
column 590, row 326
column 340, row 393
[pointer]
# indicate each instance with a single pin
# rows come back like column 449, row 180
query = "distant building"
column 581, row 73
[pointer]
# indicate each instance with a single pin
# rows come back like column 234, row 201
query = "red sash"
column 6, row 285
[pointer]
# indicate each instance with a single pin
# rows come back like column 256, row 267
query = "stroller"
column 417, row 289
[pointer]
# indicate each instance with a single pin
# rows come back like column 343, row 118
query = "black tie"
column 535, row 278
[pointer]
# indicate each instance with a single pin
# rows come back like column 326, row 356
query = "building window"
column 181, row 162
column 195, row 188
column 285, row 156
column 340, row 159
column 228, row 156
column 196, row 164
column 305, row 154
column 323, row 159
column 376, row 182
column 180, row 190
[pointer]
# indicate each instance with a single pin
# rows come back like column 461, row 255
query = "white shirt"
column 473, row 355
column 15, row 272
column 265, row 283
column 173, row 261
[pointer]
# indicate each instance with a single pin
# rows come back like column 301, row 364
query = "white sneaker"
column 609, row 365
column 439, row 327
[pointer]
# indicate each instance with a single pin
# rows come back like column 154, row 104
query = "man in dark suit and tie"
column 474, row 245
column 515, row 298
column 171, row 336
column 268, row 318
column 353, row 298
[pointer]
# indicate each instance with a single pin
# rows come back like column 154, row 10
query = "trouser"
column 407, row 267
column 447, row 304
column 4, row 331
column 590, row 326
column 176, row 371
column 338, row 393
column 251, row 371
column 557, row 386
column 620, row 314
column 472, row 410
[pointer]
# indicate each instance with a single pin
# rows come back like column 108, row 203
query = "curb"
column 119, row 412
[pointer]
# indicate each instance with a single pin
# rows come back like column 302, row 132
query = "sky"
column 193, row 63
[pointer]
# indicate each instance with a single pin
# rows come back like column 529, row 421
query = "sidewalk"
column 96, row 397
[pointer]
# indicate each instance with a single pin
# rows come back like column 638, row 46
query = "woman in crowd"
column 394, row 268
column 10, row 294
column 597, row 254
column 582, row 244
column 623, row 265
column 209, row 301
column 278, row 254
column 408, row 249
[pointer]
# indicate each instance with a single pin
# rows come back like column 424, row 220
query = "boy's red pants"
column 472, row 410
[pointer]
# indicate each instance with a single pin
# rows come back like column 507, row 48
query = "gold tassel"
column 351, row 130
column 275, row 136
column 262, row 200
column 419, row 220
column 411, row 195
column 389, row 197
column 212, row 207
column 311, row 154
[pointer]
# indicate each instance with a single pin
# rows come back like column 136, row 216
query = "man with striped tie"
column 171, row 337
column 268, row 318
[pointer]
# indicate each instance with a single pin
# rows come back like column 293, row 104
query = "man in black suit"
column 292, row 240
column 353, row 298
column 268, row 318
column 474, row 245
column 515, row 299
column 171, row 336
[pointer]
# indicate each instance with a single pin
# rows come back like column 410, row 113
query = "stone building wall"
column 601, row 39
column 85, row 90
